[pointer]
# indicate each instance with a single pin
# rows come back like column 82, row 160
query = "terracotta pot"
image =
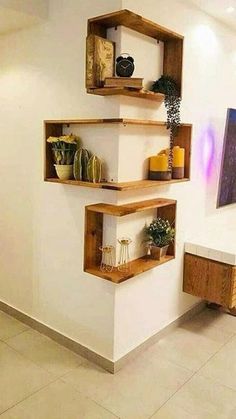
column 158, row 252
column 64, row 171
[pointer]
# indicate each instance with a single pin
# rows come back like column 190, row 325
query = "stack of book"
column 100, row 56
column 130, row 82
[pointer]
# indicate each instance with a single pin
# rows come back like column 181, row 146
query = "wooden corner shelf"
column 137, row 266
column 55, row 128
column 97, row 121
column 127, row 209
column 173, row 42
column 119, row 186
column 125, row 91
column 99, row 25
column 94, row 215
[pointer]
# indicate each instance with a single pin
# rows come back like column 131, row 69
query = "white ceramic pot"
column 64, row 171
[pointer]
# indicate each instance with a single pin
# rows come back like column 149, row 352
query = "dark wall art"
column 227, row 183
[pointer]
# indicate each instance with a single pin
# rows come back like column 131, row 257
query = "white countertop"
column 216, row 244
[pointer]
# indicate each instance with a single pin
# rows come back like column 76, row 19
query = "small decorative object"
column 158, row 166
column 124, row 260
column 63, row 149
column 80, row 166
column 169, row 88
column 107, row 262
column 94, row 169
column 160, row 235
column 178, row 162
column 124, row 65
column 100, row 57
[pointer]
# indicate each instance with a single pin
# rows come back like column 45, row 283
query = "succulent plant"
column 81, row 160
column 94, row 169
column 160, row 232
column 64, row 148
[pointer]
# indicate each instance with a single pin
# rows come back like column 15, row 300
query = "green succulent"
column 63, row 153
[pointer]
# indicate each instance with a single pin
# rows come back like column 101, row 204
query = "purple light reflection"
column 207, row 151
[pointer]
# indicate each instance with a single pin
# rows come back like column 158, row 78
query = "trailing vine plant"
column 169, row 88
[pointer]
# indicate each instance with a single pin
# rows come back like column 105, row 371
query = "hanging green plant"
column 169, row 88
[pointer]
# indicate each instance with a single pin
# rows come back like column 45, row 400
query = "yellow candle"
column 159, row 163
column 178, row 156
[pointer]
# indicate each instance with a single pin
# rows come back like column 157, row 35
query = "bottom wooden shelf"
column 137, row 267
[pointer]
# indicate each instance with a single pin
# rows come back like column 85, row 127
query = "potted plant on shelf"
column 160, row 234
column 63, row 150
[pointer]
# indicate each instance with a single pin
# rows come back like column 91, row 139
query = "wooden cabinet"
column 210, row 280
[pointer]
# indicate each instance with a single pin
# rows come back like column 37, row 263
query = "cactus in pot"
column 81, row 160
column 94, row 169
column 63, row 151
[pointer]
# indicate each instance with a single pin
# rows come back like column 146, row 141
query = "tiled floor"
column 190, row 374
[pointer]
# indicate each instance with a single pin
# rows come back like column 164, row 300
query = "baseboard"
column 111, row 366
column 59, row 337
column 197, row 308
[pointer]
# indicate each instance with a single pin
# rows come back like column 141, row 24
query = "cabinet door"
column 233, row 289
column 195, row 275
column 219, row 278
column 208, row 279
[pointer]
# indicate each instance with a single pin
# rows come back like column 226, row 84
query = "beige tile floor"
column 189, row 374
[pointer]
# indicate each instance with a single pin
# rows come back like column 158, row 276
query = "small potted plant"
column 160, row 234
column 63, row 150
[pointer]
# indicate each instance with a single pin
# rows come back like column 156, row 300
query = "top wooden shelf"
column 126, row 91
column 98, row 25
column 172, row 56
column 121, row 210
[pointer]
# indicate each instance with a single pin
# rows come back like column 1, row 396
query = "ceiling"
column 223, row 10
column 18, row 14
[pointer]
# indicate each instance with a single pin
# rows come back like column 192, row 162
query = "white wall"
column 147, row 303
column 18, row 14
column 42, row 224
column 42, row 76
column 37, row 8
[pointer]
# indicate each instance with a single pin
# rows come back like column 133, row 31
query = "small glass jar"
column 107, row 261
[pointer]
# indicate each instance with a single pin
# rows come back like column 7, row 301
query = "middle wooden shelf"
column 56, row 128
column 119, row 186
